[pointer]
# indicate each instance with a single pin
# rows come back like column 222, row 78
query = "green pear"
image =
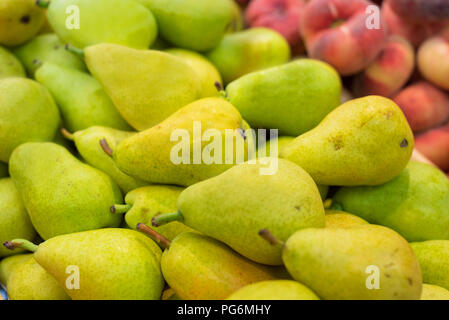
column 433, row 256
column 29, row 281
column 10, row 65
column 367, row 262
column 340, row 219
column 365, row 141
column 20, row 20
column 27, row 113
column 146, row 86
column 198, row 25
column 80, row 97
column 61, row 194
column 237, row 22
column 14, row 220
column 88, row 143
column 144, row 203
column 198, row 267
column 9, row 264
column 3, row 170
column 105, row 264
column 234, row 206
column 247, row 51
column 293, row 98
column 154, row 154
column 47, row 48
column 84, row 22
column 170, row 294
column 205, row 70
column 274, row 290
column 432, row 292
column 415, row 204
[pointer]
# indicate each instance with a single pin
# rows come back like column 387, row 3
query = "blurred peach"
column 434, row 144
column 421, row 10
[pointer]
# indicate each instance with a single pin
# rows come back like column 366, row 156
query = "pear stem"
column 336, row 206
column 220, row 89
column 43, row 3
column 20, row 243
column 66, row 134
column 165, row 218
column 106, row 148
column 79, row 52
column 267, row 235
column 120, row 208
column 154, row 235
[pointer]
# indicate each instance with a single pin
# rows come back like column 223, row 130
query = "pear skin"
column 432, row 292
column 146, row 86
column 365, row 141
column 340, row 219
column 359, row 263
column 11, row 66
column 415, row 204
column 27, row 113
column 433, row 256
column 61, row 194
column 274, row 290
column 9, row 264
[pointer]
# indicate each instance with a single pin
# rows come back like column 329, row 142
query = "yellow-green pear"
column 205, row 70
column 14, row 220
column 146, row 86
column 88, row 143
column 200, row 141
column 365, row 141
column 433, row 256
column 340, row 219
column 61, row 194
column 432, row 292
column 9, row 264
column 234, row 206
column 274, row 290
column 10, row 65
column 367, row 262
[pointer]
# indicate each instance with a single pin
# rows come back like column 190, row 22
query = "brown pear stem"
column 267, row 235
column 154, row 235
column 66, row 134
column 106, row 148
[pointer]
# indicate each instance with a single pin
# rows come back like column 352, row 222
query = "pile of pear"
column 93, row 207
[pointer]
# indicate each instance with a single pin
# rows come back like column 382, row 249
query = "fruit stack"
column 241, row 150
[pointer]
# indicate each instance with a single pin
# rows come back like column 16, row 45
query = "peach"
column 421, row 10
column 389, row 72
column 434, row 144
column 341, row 33
column 433, row 59
column 424, row 105
column 280, row 15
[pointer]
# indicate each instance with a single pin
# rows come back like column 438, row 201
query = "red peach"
column 421, row 10
column 434, row 144
column 389, row 72
column 340, row 33
column 280, row 15
column 433, row 59
column 424, row 105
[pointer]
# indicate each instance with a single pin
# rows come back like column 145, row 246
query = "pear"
column 235, row 205
column 293, row 98
column 105, row 264
column 198, row 267
column 237, row 22
column 29, row 281
column 197, row 25
column 84, row 22
column 9, row 264
column 10, row 65
column 432, row 292
column 88, row 143
column 365, row 141
column 205, row 70
column 165, row 153
column 415, row 204
column 367, row 262
column 20, row 20
column 340, row 219
column 274, row 290
column 247, row 51
column 14, row 220
column 144, row 203
column 433, row 256
column 61, row 194
column 146, row 86
column 80, row 97
column 27, row 113
column 47, row 48
column 3, row 170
